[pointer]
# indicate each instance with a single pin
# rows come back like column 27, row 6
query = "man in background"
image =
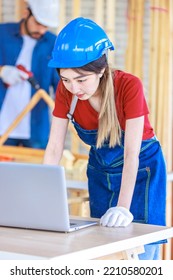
column 27, row 43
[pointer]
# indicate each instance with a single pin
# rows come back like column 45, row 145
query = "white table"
column 95, row 242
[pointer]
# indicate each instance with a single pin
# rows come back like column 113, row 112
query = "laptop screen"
column 33, row 196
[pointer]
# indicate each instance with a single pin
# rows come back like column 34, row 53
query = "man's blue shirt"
column 10, row 46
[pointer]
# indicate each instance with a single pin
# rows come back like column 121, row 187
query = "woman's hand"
column 116, row 217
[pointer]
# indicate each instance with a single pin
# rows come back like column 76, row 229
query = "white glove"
column 11, row 75
column 116, row 217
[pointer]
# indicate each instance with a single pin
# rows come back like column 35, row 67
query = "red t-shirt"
column 129, row 99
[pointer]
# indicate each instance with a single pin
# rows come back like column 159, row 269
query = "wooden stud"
column 62, row 14
column 0, row 10
column 154, row 26
column 110, row 26
column 76, row 8
column 40, row 94
column 99, row 12
column 138, row 39
column 129, row 62
column 19, row 8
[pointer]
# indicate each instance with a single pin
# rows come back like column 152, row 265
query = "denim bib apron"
column 104, row 172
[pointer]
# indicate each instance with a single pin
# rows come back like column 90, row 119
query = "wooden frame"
column 40, row 94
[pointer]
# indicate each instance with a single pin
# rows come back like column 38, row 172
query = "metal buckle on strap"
column 69, row 116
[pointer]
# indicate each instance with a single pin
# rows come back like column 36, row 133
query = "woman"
column 126, row 169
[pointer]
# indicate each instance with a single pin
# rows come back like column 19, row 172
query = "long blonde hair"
column 109, row 127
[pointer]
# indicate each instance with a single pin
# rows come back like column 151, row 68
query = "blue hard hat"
column 80, row 42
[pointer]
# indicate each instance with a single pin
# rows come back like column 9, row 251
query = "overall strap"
column 72, row 107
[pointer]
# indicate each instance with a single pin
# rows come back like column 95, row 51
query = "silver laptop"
column 34, row 196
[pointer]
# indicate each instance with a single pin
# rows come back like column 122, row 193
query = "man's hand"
column 116, row 217
column 11, row 75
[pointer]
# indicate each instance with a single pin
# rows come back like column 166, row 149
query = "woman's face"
column 83, row 85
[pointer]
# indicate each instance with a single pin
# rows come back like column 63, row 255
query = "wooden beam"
column 19, row 8
column 129, row 62
column 76, row 8
column 62, row 14
column 0, row 10
column 110, row 26
column 160, row 90
column 138, row 39
column 40, row 94
column 99, row 12
column 153, row 58
column 134, row 54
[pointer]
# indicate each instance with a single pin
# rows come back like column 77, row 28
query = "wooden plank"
column 110, row 27
column 40, row 94
column 62, row 14
column 170, row 90
column 162, row 80
column 168, row 119
column 34, row 100
column 99, row 12
column 0, row 10
column 138, row 36
column 171, row 102
column 19, row 9
column 153, row 58
column 130, row 53
column 161, row 89
column 76, row 8
column 21, row 154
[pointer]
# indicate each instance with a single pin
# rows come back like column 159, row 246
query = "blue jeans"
column 152, row 252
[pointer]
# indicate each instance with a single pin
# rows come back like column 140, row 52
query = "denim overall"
column 104, row 172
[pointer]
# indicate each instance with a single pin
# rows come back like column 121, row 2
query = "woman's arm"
column 120, row 214
column 132, row 143
column 55, row 146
